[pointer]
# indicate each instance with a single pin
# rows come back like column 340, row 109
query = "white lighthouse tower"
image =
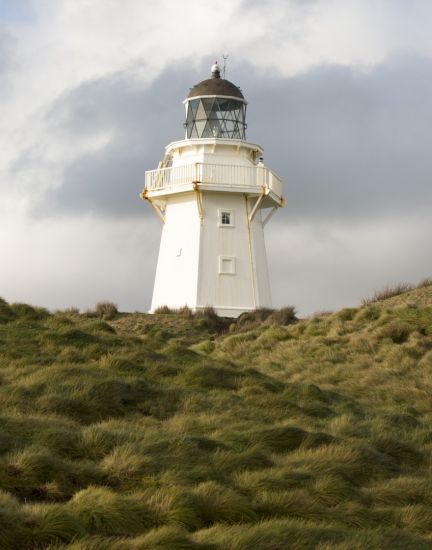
column 214, row 196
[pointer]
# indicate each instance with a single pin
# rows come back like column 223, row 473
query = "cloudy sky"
column 340, row 97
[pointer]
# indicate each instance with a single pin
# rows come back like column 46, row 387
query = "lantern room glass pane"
column 215, row 117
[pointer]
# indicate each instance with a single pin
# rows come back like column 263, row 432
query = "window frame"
column 223, row 211
column 232, row 261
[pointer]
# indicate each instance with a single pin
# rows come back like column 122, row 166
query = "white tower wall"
column 230, row 293
column 193, row 250
column 177, row 268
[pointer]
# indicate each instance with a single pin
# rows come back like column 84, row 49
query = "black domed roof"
column 215, row 86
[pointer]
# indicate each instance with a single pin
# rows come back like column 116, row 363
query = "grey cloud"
column 141, row 119
column 349, row 144
column 7, row 44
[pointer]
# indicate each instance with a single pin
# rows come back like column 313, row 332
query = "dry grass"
column 171, row 431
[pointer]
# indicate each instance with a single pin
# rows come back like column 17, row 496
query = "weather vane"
column 225, row 57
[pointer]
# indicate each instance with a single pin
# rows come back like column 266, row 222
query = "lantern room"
column 215, row 108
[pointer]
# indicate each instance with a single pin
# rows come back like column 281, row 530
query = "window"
column 226, row 265
column 215, row 117
column 226, row 218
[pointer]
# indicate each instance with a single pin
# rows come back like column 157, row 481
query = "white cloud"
column 329, row 266
column 59, row 263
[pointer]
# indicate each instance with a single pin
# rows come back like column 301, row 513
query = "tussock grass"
column 390, row 291
column 106, row 310
column 185, row 430
column 104, row 512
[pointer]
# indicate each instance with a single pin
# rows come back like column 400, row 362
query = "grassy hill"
column 177, row 431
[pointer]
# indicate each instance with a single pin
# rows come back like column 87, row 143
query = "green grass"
column 181, row 430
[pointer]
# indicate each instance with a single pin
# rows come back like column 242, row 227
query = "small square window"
column 226, row 218
column 226, row 265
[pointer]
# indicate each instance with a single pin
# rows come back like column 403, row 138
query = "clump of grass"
column 207, row 312
column 216, row 503
column 284, row 316
column 166, row 538
column 424, row 283
column 397, row 331
column 387, row 292
column 51, row 523
column 281, row 439
column 27, row 470
column 175, row 506
column 24, row 311
column 390, row 291
column 185, row 312
column 72, row 311
column 126, row 464
column 206, row 347
column 12, row 530
column 100, row 510
column 264, row 316
column 271, row 534
column 208, row 376
column 6, row 312
column 251, row 319
column 229, row 461
column 346, row 314
column 164, row 310
column 402, row 451
column 106, row 310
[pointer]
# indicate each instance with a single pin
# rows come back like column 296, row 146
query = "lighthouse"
column 214, row 196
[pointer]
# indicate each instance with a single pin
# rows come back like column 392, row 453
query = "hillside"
column 177, row 431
